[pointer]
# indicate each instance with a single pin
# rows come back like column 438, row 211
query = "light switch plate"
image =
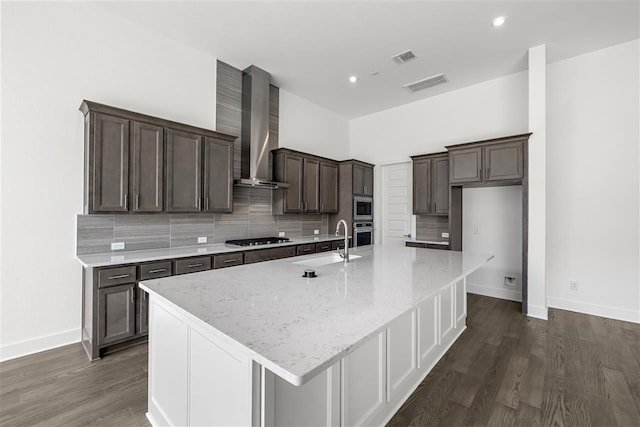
column 445, row 235
column 202, row 239
column 316, row 231
column 281, row 234
column 117, row 246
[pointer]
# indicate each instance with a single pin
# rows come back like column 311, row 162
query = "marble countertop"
column 297, row 327
column 125, row 257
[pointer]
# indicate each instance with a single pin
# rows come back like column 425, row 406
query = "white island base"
column 198, row 376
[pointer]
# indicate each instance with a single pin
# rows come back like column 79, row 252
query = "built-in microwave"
column 362, row 208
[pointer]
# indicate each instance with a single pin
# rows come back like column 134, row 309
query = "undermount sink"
column 325, row 259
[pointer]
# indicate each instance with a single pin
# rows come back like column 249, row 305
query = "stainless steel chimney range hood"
column 256, row 145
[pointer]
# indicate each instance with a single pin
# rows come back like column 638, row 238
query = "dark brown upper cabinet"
column 497, row 161
column 328, row 187
column 431, row 184
column 218, row 175
column 147, row 167
column 107, row 152
column 184, row 171
column 138, row 163
column 362, row 180
column 313, row 183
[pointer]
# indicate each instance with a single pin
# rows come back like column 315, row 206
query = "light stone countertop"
column 126, row 257
column 298, row 327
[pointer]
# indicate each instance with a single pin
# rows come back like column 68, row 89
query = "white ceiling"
column 312, row 47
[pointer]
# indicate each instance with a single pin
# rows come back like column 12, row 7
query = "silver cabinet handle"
column 118, row 276
column 227, row 261
column 157, row 270
column 306, row 250
column 206, row 204
column 199, row 198
column 195, row 265
column 132, row 295
column 144, row 295
column 137, row 201
column 126, row 201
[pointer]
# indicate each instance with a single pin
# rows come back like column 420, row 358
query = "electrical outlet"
column 445, row 235
column 202, row 239
column 281, row 234
column 573, row 285
column 316, row 231
column 117, row 246
column 510, row 282
column 476, row 229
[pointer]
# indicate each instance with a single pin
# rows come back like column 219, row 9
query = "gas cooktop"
column 257, row 241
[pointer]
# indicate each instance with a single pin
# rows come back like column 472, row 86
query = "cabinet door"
column 311, row 182
column 116, row 313
column 504, row 161
column 293, row 177
column 218, row 175
column 440, row 186
column 142, row 312
column 368, row 181
column 110, row 164
column 147, row 167
column 358, row 180
column 184, row 171
column 465, row 165
column 328, row 187
column 421, row 186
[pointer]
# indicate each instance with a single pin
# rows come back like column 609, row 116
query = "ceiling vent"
column 403, row 57
column 426, row 83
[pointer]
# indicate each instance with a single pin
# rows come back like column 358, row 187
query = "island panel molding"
column 356, row 366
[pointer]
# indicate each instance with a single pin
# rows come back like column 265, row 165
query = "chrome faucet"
column 344, row 255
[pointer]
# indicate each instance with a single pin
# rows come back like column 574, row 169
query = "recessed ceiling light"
column 497, row 22
column 353, row 79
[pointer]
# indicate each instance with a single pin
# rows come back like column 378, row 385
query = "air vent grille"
column 426, row 83
column 403, row 57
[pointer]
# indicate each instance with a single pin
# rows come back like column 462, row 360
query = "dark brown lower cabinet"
column 142, row 325
column 116, row 308
column 323, row 247
column 260, row 255
column 426, row 245
column 306, row 249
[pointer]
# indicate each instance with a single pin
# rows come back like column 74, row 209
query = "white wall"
column 54, row 55
column 491, row 109
column 307, row 127
column 497, row 214
column 592, row 182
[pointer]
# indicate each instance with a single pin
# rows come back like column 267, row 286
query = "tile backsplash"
column 251, row 217
column 431, row 227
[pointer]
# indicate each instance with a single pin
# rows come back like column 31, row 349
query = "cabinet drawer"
column 116, row 276
column 323, row 247
column 155, row 270
column 228, row 260
column 307, row 249
column 260, row 255
column 191, row 265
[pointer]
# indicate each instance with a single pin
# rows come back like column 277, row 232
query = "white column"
column 537, row 291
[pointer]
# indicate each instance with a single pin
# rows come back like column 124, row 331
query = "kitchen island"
column 261, row 345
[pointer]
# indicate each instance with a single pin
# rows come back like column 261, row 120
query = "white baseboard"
column 594, row 309
column 508, row 294
column 538, row 312
column 36, row 345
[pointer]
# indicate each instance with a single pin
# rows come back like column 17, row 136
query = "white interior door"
column 396, row 203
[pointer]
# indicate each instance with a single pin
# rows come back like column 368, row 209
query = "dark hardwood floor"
column 506, row 369
column 510, row 370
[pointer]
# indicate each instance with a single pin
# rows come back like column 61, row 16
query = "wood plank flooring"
column 510, row 370
column 506, row 369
